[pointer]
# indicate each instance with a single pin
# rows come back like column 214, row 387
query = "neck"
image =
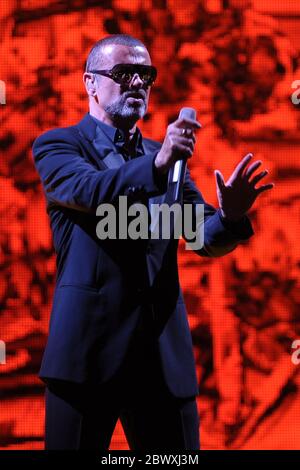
column 126, row 126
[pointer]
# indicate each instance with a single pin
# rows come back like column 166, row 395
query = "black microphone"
column 177, row 173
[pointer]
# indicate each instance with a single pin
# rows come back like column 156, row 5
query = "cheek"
column 108, row 94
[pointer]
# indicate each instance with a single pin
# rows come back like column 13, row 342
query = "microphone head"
column 189, row 113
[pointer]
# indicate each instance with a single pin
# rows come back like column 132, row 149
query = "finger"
column 185, row 140
column 241, row 166
column 189, row 134
column 251, row 169
column 189, row 123
column 219, row 179
column 258, row 177
column 265, row 187
column 184, row 151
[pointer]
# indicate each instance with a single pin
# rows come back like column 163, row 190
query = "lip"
column 135, row 99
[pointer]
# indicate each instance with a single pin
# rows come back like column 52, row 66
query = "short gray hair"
column 95, row 58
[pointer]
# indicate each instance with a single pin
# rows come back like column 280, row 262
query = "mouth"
column 135, row 97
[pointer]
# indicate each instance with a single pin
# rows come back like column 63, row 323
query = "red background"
column 234, row 61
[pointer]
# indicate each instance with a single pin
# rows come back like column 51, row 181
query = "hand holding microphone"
column 177, row 147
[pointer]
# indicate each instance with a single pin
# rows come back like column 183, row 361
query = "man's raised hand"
column 238, row 194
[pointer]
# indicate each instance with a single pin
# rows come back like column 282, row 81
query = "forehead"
column 118, row 54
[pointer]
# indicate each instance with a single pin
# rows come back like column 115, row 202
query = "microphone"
column 176, row 176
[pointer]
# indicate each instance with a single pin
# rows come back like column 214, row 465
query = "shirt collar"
column 117, row 136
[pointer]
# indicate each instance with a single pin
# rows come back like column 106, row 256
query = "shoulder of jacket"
column 58, row 134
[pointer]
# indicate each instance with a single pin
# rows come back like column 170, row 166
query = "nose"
column 136, row 80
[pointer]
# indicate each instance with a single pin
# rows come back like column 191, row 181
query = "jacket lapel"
column 111, row 159
column 107, row 154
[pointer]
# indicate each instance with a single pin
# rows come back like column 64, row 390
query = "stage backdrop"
column 235, row 62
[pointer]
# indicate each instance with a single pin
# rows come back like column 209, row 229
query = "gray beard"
column 121, row 112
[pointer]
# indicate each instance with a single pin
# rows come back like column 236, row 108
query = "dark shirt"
column 129, row 149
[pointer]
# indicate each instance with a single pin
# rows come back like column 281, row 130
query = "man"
column 119, row 342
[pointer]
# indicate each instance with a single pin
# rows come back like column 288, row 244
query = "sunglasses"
column 124, row 73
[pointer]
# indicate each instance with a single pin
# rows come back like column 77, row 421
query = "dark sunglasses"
column 124, row 73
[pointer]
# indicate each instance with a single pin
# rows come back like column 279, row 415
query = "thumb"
column 219, row 179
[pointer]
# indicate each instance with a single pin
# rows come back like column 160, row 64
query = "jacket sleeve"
column 220, row 235
column 71, row 181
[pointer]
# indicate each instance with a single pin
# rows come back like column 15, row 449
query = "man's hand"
column 177, row 145
column 238, row 194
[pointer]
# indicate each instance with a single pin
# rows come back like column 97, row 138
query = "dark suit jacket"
column 103, row 286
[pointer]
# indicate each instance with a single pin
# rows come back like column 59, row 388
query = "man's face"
column 122, row 104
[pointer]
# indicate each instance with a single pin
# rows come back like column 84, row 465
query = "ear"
column 90, row 83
